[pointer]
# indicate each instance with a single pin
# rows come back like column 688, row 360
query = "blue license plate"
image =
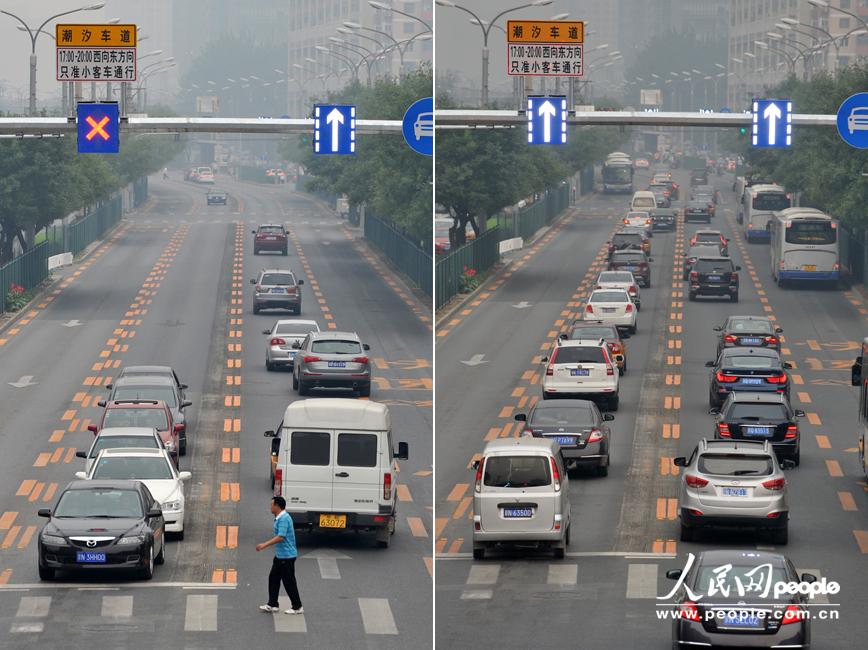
column 278, row 290
column 630, row 268
column 87, row 557
column 517, row 513
column 734, row 492
column 337, row 364
column 742, row 620
column 565, row 440
column 751, row 381
column 713, row 278
column 580, row 372
column 747, row 340
column 757, row 431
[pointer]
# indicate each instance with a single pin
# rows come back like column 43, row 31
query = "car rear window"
column 277, row 279
column 623, row 277
column 632, row 258
column 737, row 576
column 735, row 465
column 141, row 468
column 577, row 416
column 271, row 230
column 610, row 296
column 333, row 346
column 711, row 237
column 357, row 449
column 164, row 393
column 757, row 411
column 593, row 333
column 136, row 417
column 738, row 325
column 583, row 354
column 630, row 238
column 310, row 448
column 644, row 202
column 516, row 471
column 121, row 442
column 699, row 251
column 764, row 363
column 713, row 266
column 295, row 328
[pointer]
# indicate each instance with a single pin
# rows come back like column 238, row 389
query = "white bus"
column 618, row 174
column 759, row 204
column 804, row 246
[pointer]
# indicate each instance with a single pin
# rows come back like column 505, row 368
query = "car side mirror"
column 799, row 413
column 808, row 577
column 544, row 360
column 81, row 454
column 44, row 512
column 403, row 451
column 109, row 386
column 101, row 403
column 738, row 268
column 252, row 232
column 179, row 428
column 679, row 461
column 714, row 411
column 625, row 336
column 608, row 417
column 709, row 364
column 521, row 417
column 779, row 330
column 673, row 574
column 183, row 386
column 787, row 365
column 92, row 427
column 270, row 434
column 154, row 512
column 650, row 259
column 252, row 280
column 185, row 476
column 366, row 347
column 788, row 463
column 474, row 465
column 266, row 331
column 300, row 282
column 81, row 475
column 563, row 337
column 718, row 329
column 186, row 403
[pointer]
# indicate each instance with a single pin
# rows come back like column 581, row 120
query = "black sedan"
column 697, row 211
column 748, row 331
column 663, row 218
column 634, row 261
column 717, row 603
column 217, row 198
column 761, row 416
column 578, row 427
column 102, row 525
column 755, row 370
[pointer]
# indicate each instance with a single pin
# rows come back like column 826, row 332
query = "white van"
column 643, row 200
column 334, row 462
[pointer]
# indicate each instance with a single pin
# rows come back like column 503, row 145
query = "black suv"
column 697, row 211
column 625, row 241
column 760, row 416
column 714, row 276
column 663, row 218
column 698, row 177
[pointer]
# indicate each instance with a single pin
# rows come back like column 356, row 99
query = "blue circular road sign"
column 853, row 120
column 418, row 126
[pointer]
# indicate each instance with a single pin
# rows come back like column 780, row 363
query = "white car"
column 423, row 127
column 154, row 468
column 858, row 119
column 612, row 306
column 284, row 339
column 640, row 219
column 581, row 369
column 620, row 280
column 119, row 438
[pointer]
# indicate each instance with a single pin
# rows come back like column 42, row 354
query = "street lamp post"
column 351, row 26
column 34, row 34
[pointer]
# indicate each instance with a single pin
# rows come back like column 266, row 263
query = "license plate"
column 332, row 521
column 742, row 620
column 565, row 440
column 751, row 381
column 713, row 278
column 87, row 557
column 734, row 492
column 809, row 267
column 517, row 513
column 630, row 268
column 608, row 310
column 745, row 340
column 580, row 372
column 292, row 354
column 337, row 364
column 278, row 290
column 271, row 238
column 757, row 431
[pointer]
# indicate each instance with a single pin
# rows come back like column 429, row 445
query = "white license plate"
column 734, row 492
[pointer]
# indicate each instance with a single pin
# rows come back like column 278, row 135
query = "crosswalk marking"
column 27, row 628
column 642, row 580
column 377, row 616
column 563, row 574
column 201, row 615
column 117, row 606
column 290, row 623
column 483, row 574
column 477, row 594
column 33, row 606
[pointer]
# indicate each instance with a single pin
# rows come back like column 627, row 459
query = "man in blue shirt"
column 283, row 567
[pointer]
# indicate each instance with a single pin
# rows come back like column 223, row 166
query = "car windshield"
column 697, row 205
column 710, row 576
column 708, row 236
column 735, row 465
column 627, row 239
column 713, row 266
column 771, row 201
column 333, row 346
column 118, row 442
column 738, row 325
column 610, row 296
column 271, row 230
column 99, row 502
column 576, row 416
column 277, row 279
column 165, row 393
column 516, row 471
column 579, row 354
column 699, row 251
column 633, row 258
column 762, row 363
column 593, row 333
column 140, row 468
column 134, row 417
column 757, row 411
column 622, row 277
column 295, row 328
column 134, row 372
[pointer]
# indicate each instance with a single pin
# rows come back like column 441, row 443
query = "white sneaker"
column 300, row 610
column 269, row 608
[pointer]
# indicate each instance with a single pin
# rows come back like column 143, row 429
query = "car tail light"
column 750, row 226
column 836, row 266
column 695, row 481
column 633, row 290
column 648, row 222
column 694, row 276
column 479, row 474
column 527, row 431
column 589, row 309
column 774, row 484
column 596, row 435
column 777, row 379
column 643, row 265
column 309, row 359
column 771, row 340
column 615, row 348
column 689, row 611
column 626, row 221
column 387, row 486
column 724, row 378
column 549, row 369
column 729, row 338
column 360, row 360
column 599, row 286
column 629, row 308
column 278, row 482
column 258, row 288
column 291, row 290
column 723, row 430
column 792, row 432
column 277, row 341
column 555, row 474
column 793, row 614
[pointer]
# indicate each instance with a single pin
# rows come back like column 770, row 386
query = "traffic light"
column 743, row 130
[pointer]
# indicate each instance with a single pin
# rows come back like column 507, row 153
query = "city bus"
column 758, row 205
column 860, row 379
column 804, row 246
column 618, row 174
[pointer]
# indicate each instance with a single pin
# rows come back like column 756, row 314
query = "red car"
column 142, row 413
column 270, row 237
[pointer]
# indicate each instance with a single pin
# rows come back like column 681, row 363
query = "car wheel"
column 255, row 309
column 182, row 447
column 734, row 297
column 613, row 403
column 384, row 534
column 284, row 252
column 180, row 535
column 302, row 388
column 46, row 573
column 161, row 558
column 255, row 251
column 268, row 365
column 560, row 551
column 567, row 538
column 624, row 368
column 621, row 371
column 687, row 533
column 797, row 457
column 691, row 296
column 365, row 391
column 648, row 282
column 603, row 470
column 546, row 395
column 781, row 537
column 479, row 552
column 147, row 572
column 294, row 387
column 633, row 329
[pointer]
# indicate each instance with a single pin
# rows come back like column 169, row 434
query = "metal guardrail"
column 411, row 260
column 479, row 254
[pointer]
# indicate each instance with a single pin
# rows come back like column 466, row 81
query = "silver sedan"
column 284, row 339
column 332, row 360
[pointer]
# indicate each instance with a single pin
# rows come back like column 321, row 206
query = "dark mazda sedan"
column 748, row 331
column 100, row 526
column 578, row 427
column 713, row 606
column 755, row 370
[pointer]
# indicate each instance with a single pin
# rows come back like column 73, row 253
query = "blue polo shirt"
column 283, row 527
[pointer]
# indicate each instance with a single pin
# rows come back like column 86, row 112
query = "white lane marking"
column 477, row 594
column 483, row 574
column 33, row 606
column 27, row 628
column 475, row 360
column 563, row 574
column 289, row 623
column 377, row 616
column 201, row 615
column 24, row 382
column 117, row 606
column 642, row 580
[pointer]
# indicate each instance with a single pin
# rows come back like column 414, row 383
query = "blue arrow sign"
column 98, row 127
column 547, row 120
column 418, row 126
column 772, row 123
column 853, row 121
column 334, row 129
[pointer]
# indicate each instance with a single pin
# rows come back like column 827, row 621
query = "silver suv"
column 277, row 289
column 733, row 484
column 332, row 360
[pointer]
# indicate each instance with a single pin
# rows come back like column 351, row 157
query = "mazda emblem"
column 91, row 543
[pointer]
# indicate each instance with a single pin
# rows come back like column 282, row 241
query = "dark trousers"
column 283, row 570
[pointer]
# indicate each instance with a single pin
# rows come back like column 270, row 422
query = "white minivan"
column 644, row 201
column 334, row 462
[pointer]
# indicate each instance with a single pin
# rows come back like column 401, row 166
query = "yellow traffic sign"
column 545, row 31
column 96, row 35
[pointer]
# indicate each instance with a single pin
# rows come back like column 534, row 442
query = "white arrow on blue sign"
column 547, row 120
column 334, row 129
column 772, row 123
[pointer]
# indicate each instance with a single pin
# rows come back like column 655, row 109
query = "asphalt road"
column 624, row 532
column 172, row 286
